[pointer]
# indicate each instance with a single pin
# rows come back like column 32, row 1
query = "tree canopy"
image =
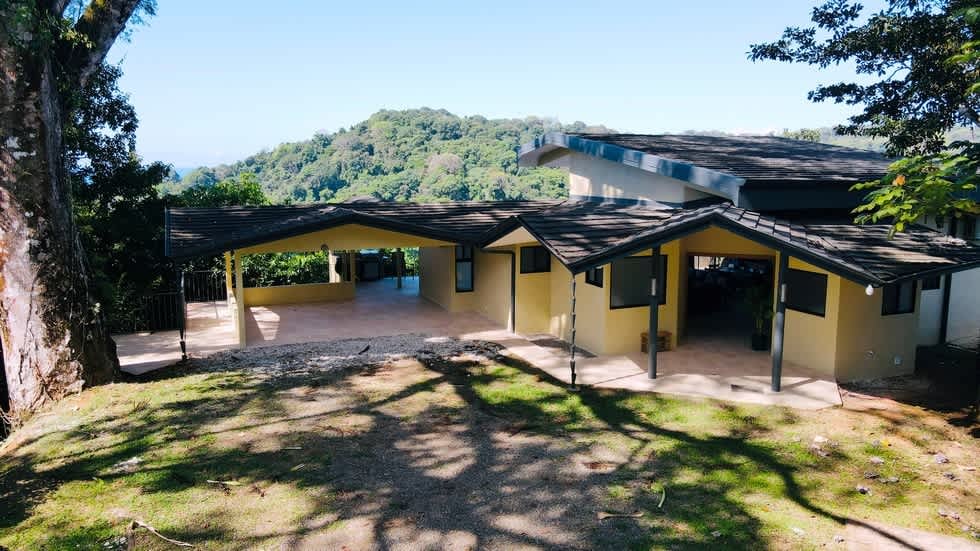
column 915, row 94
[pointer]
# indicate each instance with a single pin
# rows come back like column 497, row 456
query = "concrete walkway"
column 719, row 368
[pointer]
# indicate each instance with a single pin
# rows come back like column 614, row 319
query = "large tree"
column 911, row 94
column 924, row 68
column 51, row 327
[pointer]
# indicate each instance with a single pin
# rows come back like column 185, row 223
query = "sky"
column 215, row 81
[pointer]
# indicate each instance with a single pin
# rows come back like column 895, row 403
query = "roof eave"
column 709, row 181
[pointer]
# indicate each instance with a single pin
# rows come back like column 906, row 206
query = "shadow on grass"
column 502, row 469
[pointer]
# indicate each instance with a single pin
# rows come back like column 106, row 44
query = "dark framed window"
column 535, row 260
column 806, row 292
column 464, row 269
column 594, row 277
column 629, row 282
column 931, row 283
column 898, row 298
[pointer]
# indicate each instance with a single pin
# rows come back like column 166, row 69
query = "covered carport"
column 340, row 306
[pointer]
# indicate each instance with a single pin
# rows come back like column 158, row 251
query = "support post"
column 654, row 323
column 332, row 275
column 571, row 341
column 239, row 300
column 183, row 317
column 228, row 284
column 398, row 266
column 780, row 323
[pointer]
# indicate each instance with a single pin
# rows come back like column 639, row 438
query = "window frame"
column 537, row 251
column 896, row 288
column 932, row 283
column 463, row 255
column 594, row 276
column 809, row 274
column 661, row 283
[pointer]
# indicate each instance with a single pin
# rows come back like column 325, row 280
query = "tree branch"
column 101, row 24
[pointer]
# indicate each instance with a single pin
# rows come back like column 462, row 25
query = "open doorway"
column 729, row 300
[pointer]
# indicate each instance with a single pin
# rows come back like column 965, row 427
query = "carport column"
column 780, row 323
column 228, row 284
column 654, row 324
column 239, row 300
column 332, row 266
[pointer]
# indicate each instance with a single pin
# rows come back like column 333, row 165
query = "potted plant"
column 759, row 301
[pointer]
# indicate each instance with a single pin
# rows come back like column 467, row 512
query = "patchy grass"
column 466, row 454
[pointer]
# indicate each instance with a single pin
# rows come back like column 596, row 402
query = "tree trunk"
column 52, row 331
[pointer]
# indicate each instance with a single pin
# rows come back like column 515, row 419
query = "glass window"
column 535, row 260
column 464, row 269
column 594, row 277
column 629, row 282
column 806, row 292
column 898, row 298
column 930, row 283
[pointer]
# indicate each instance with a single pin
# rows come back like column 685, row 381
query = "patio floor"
column 718, row 368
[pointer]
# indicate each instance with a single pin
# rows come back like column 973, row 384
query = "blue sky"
column 218, row 80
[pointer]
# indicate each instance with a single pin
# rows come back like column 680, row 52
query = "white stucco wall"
column 593, row 177
column 930, row 314
column 964, row 306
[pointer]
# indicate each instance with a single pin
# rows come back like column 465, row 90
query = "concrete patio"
column 712, row 368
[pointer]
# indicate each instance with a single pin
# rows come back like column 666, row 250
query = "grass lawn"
column 467, row 453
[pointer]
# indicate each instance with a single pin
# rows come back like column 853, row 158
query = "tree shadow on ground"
column 387, row 455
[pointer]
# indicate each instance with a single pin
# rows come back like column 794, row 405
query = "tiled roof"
column 758, row 158
column 584, row 234
column 195, row 232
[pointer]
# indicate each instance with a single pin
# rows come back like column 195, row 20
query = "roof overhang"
column 706, row 180
column 343, row 218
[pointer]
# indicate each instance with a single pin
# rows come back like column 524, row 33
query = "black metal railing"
column 204, row 286
column 161, row 311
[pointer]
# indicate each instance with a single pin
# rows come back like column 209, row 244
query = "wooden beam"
column 780, row 323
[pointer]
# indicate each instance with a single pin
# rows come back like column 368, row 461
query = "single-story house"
column 673, row 237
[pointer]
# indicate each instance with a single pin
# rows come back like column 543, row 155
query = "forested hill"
column 417, row 155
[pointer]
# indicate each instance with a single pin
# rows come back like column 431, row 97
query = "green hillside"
column 424, row 155
column 417, row 154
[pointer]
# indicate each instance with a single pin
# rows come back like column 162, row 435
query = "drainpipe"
column 512, row 320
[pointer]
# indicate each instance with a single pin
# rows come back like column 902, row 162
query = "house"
column 676, row 237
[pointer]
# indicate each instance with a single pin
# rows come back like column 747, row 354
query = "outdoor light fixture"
column 869, row 290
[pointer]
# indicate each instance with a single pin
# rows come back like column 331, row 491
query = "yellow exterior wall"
column 624, row 325
column 436, row 281
column 715, row 241
column 592, row 177
column 341, row 238
column 590, row 303
column 808, row 340
column 298, row 294
column 868, row 342
column 533, row 300
column 491, row 286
